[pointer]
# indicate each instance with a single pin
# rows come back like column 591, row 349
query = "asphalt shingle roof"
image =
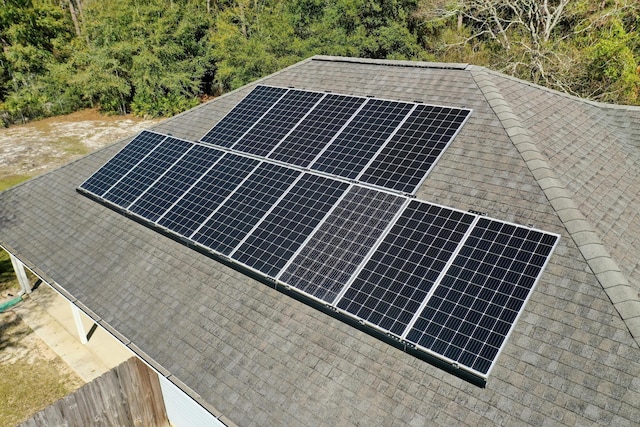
column 527, row 155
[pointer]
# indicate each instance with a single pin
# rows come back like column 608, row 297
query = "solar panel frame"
column 272, row 127
column 271, row 95
column 149, row 141
column 367, row 175
column 441, row 287
column 350, row 229
column 333, row 158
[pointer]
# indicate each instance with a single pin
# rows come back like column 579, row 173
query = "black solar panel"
column 242, row 211
column 204, row 197
column 145, row 173
column 410, row 154
column 286, row 227
column 317, row 129
column 335, row 251
column 274, row 125
column 101, row 181
column 160, row 196
column 389, row 290
column 362, row 138
column 475, row 306
column 243, row 116
column 449, row 282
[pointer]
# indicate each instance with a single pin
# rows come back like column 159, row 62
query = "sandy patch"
column 33, row 148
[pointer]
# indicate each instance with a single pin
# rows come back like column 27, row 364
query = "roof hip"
column 623, row 296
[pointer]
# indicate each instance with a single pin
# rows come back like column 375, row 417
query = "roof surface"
column 527, row 155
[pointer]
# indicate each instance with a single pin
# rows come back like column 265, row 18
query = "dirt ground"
column 32, row 376
column 33, row 148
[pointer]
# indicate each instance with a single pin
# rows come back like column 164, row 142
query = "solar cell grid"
column 451, row 282
column 411, row 153
column 333, row 254
column 273, row 126
column 100, row 182
column 474, row 307
column 186, row 215
column 397, row 278
column 274, row 240
column 362, row 138
column 161, row 195
column 142, row 175
column 242, row 211
column 243, row 116
column 317, row 129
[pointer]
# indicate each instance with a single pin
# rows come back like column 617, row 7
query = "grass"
column 28, row 386
column 28, row 383
column 73, row 146
column 10, row 181
column 8, row 280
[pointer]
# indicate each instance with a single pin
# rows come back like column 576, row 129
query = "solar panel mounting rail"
column 442, row 284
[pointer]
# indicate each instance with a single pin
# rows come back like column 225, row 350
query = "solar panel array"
column 388, row 144
column 448, row 283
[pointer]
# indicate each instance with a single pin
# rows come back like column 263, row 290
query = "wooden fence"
column 128, row 395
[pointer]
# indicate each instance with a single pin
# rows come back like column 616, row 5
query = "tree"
column 544, row 41
column 33, row 34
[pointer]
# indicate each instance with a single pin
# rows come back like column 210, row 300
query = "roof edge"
column 621, row 294
column 129, row 344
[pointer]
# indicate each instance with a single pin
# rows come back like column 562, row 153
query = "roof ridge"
column 622, row 295
column 599, row 104
column 392, row 62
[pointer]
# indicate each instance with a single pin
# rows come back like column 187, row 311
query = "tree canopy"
column 160, row 57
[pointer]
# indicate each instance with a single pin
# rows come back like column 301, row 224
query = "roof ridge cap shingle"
column 598, row 104
column 391, row 62
column 623, row 296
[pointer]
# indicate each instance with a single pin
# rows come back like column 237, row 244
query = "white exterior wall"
column 183, row 411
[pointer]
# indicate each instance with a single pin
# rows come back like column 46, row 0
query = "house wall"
column 183, row 411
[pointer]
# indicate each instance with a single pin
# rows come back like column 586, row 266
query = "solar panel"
column 243, row 116
column 274, row 240
column 317, row 129
column 362, row 138
column 449, row 283
column 163, row 193
column 281, row 118
column 195, row 206
column 391, row 287
column 405, row 161
column 245, row 207
column 474, row 307
column 136, row 150
column 335, row 251
column 145, row 173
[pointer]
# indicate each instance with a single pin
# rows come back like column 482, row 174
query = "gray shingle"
column 261, row 358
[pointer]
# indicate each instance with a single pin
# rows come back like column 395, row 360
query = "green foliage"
column 160, row 57
column 251, row 40
column 31, row 32
column 611, row 67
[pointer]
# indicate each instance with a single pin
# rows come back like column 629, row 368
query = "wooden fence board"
column 128, row 395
